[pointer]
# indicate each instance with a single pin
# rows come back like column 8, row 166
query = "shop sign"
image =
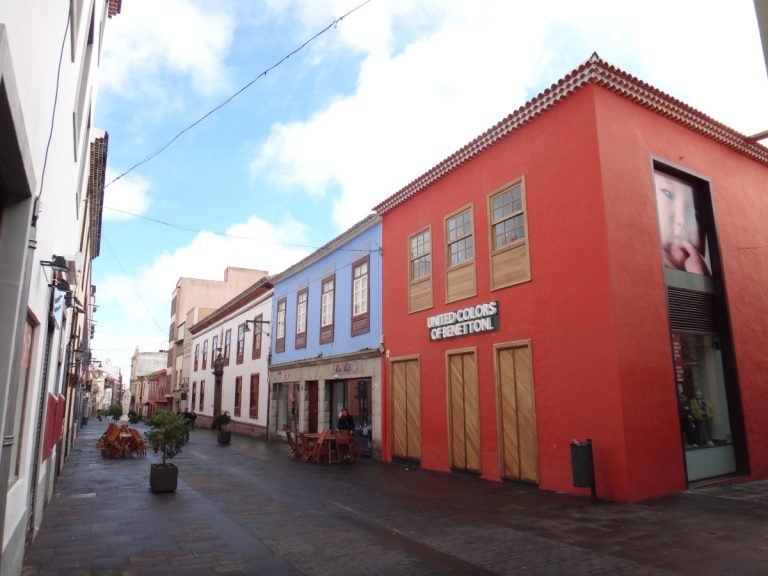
column 344, row 368
column 463, row 322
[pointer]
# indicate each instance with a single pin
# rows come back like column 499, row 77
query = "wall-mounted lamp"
column 71, row 301
column 61, row 284
column 57, row 264
column 254, row 322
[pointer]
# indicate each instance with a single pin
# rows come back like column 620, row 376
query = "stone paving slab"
column 245, row 509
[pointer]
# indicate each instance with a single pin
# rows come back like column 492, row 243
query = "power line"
column 213, row 233
column 55, row 102
column 333, row 24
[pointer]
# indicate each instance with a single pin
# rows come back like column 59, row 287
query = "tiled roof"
column 348, row 234
column 99, row 148
column 593, row 71
column 114, row 7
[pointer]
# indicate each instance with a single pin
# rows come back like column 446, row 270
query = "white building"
column 51, row 187
column 239, row 331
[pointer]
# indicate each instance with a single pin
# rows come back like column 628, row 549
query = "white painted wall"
column 36, row 31
column 249, row 366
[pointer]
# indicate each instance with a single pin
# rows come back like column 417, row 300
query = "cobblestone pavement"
column 246, row 509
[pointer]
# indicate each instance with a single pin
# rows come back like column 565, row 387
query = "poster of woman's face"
column 683, row 236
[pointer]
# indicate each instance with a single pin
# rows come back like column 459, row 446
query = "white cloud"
column 129, row 194
column 420, row 97
column 134, row 310
column 152, row 40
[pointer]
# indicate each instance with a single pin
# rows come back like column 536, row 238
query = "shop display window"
column 703, row 405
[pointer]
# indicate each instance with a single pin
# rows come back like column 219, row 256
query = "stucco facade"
column 565, row 320
column 49, row 57
column 325, row 338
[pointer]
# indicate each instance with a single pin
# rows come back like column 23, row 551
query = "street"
column 247, row 509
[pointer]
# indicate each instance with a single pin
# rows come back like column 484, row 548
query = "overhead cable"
column 333, row 24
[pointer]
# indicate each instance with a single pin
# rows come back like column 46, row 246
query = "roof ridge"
column 596, row 71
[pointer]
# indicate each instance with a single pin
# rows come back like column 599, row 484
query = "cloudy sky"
column 309, row 148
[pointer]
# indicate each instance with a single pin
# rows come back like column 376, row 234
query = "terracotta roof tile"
column 114, row 7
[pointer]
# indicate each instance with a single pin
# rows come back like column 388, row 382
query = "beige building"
column 197, row 298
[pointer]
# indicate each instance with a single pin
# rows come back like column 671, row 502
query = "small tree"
column 168, row 434
column 220, row 421
column 115, row 410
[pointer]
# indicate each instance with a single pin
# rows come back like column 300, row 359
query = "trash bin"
column 582, row 465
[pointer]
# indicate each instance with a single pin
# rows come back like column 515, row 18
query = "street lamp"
column 218, row 373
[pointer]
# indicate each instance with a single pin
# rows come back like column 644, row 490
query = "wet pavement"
column 247, row 509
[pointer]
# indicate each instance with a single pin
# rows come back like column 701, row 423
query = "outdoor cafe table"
column 311, row 438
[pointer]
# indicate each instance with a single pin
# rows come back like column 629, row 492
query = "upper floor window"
column 301, row 317
column 360, row 296
column 214, row 349
column 507, row 217
column 420, row 270
column 205, row 354
column 421, row 255
column 257, row 334
column 197, row 355
column 227, row 346
column 328, row 290
column 460, row 277
column 280, row 335
column 459, row 237
column 509, row 255
column 240, row 343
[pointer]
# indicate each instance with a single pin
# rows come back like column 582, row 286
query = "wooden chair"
column 111, row 446
column 344, row 443
column 322, row 448
column 139, row 446
column 295, row 450
column 306, row 448
column 102, row 441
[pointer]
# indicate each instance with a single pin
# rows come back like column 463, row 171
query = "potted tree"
column 167, row 436
column 221, row 423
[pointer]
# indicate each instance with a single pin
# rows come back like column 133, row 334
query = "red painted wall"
column 595, row 309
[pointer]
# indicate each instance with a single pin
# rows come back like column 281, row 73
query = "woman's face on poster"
column 682, row 237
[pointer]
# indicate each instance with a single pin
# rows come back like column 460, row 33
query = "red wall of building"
column 631, row 135
column 565, row 310
column 595, row 309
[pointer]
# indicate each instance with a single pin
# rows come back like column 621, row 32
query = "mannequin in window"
column 687, row 421
column 702, row 411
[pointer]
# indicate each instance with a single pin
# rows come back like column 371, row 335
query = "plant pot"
column 224, row 436
column 163, row 477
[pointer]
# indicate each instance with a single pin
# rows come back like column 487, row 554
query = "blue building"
column 326, row 337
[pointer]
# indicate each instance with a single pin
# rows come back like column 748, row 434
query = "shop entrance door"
column 517, row 414
column 464, row 418
column 406, row 410
column 312, row 402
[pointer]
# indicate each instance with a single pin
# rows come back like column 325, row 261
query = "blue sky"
column 310, row 148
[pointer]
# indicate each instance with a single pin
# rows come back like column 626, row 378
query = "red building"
column 594, row 267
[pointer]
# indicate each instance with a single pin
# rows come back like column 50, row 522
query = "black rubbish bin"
column 582, row 465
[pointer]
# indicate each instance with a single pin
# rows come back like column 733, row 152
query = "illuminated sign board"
column 469, row 320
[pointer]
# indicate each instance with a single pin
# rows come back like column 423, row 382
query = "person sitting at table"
column 346, row 422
